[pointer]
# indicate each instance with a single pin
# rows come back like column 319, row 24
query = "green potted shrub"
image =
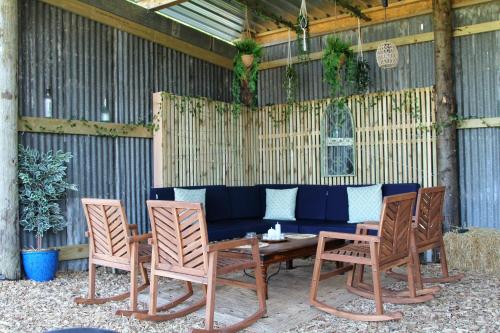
column 245, row 68
column 42, row 185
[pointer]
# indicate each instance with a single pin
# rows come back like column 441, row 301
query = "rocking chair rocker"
column 382, row 252
column 180, row 250
column 114, row 243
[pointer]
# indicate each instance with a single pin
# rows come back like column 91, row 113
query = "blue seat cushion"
column 315, row 227
column 311, row 202
column 217, row 200
column 228, row 229
column 244, row 202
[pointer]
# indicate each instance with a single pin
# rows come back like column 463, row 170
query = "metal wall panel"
column 84, row 62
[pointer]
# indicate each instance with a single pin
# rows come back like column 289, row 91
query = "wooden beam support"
column 446, row 111
column 396, row 11
column 158, row 4
column 83, row 127
column 404, row 40
column 9, row 203
column 139, row 30
column 479, row 123
column 73, row 252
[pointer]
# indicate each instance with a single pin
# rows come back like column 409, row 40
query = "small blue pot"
column 41, row 265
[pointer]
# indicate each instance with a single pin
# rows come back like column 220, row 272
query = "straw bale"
column 475, row 250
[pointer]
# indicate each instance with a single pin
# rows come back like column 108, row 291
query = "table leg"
column 289, row 264
column 264, row 276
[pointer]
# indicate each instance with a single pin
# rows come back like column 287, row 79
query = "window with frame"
column 338, row 139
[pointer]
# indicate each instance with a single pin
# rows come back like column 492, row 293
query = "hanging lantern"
column 387, row 55
column 387, row 52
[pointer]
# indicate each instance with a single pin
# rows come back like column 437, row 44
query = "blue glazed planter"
column 41, row 265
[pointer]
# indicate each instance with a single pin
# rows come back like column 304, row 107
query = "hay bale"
column 476, row 250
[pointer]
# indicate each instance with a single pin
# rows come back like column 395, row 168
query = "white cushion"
column 190, row 195
column 280, row 204
column 365, row 203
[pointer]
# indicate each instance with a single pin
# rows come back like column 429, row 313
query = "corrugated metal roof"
column 225, row 19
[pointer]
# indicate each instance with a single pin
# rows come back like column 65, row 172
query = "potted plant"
column 245, row 68
column 342, row 71
column 42, row 185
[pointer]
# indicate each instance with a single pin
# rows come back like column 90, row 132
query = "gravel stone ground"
column 472, row 305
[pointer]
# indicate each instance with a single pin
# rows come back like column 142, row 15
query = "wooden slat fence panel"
column 204, row 144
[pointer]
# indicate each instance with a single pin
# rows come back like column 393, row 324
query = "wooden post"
column 446, row 110
column 9, row 206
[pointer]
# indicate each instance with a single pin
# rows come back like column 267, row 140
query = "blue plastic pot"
column 40, row 265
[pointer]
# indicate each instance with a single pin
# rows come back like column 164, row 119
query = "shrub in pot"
column 42, row 185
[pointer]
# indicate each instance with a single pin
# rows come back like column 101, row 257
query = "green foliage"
column 42, row 185
column 342, row 71
column 248, row 46
column 244, row 87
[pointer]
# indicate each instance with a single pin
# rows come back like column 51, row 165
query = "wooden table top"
column 290, row 249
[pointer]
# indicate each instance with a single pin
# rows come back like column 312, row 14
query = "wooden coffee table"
column 285, row 252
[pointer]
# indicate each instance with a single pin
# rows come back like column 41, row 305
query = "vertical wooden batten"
column 446, row 110
column 9, row 205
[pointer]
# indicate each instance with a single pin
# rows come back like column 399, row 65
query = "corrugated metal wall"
column 477, row 63
column 85, row 62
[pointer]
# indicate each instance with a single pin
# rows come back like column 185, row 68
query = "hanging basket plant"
column 302, row 32
column 245, row 69
column 290, row 84
column 342, row 71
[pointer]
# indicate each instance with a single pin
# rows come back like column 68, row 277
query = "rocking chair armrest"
column 220, row 246
column 347, row 236
column 140, row 238
column 134, row 229
column 369, row 225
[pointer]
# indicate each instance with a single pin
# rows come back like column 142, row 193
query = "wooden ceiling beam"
column 396, row 11
column 158, row 4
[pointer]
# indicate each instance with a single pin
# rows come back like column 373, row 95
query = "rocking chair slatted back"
column 429, row 218
column 108, row 229
column 395, row 226
column 179, row 237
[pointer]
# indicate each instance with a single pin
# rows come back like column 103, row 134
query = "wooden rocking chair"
column 114, row 243
column 427, row 233
column 382, row 252
column 180, row 250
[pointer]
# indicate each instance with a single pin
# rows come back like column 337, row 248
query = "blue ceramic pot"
column 40, row 265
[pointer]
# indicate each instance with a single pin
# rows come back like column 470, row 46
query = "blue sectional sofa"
column 232, row 211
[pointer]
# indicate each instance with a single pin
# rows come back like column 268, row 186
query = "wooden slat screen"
column 199, row 142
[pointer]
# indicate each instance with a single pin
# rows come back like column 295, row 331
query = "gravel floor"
column 471, row 305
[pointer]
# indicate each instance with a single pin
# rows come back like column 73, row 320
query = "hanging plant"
column 342, row 71
column 245, row 76
column 290, row 84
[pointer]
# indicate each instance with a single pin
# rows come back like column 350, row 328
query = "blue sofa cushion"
column 392, row 189
column 244, row 202
column 217, row 200
column 337, row 206
column 315, row 227
column 161, row 193
column 311, row 202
